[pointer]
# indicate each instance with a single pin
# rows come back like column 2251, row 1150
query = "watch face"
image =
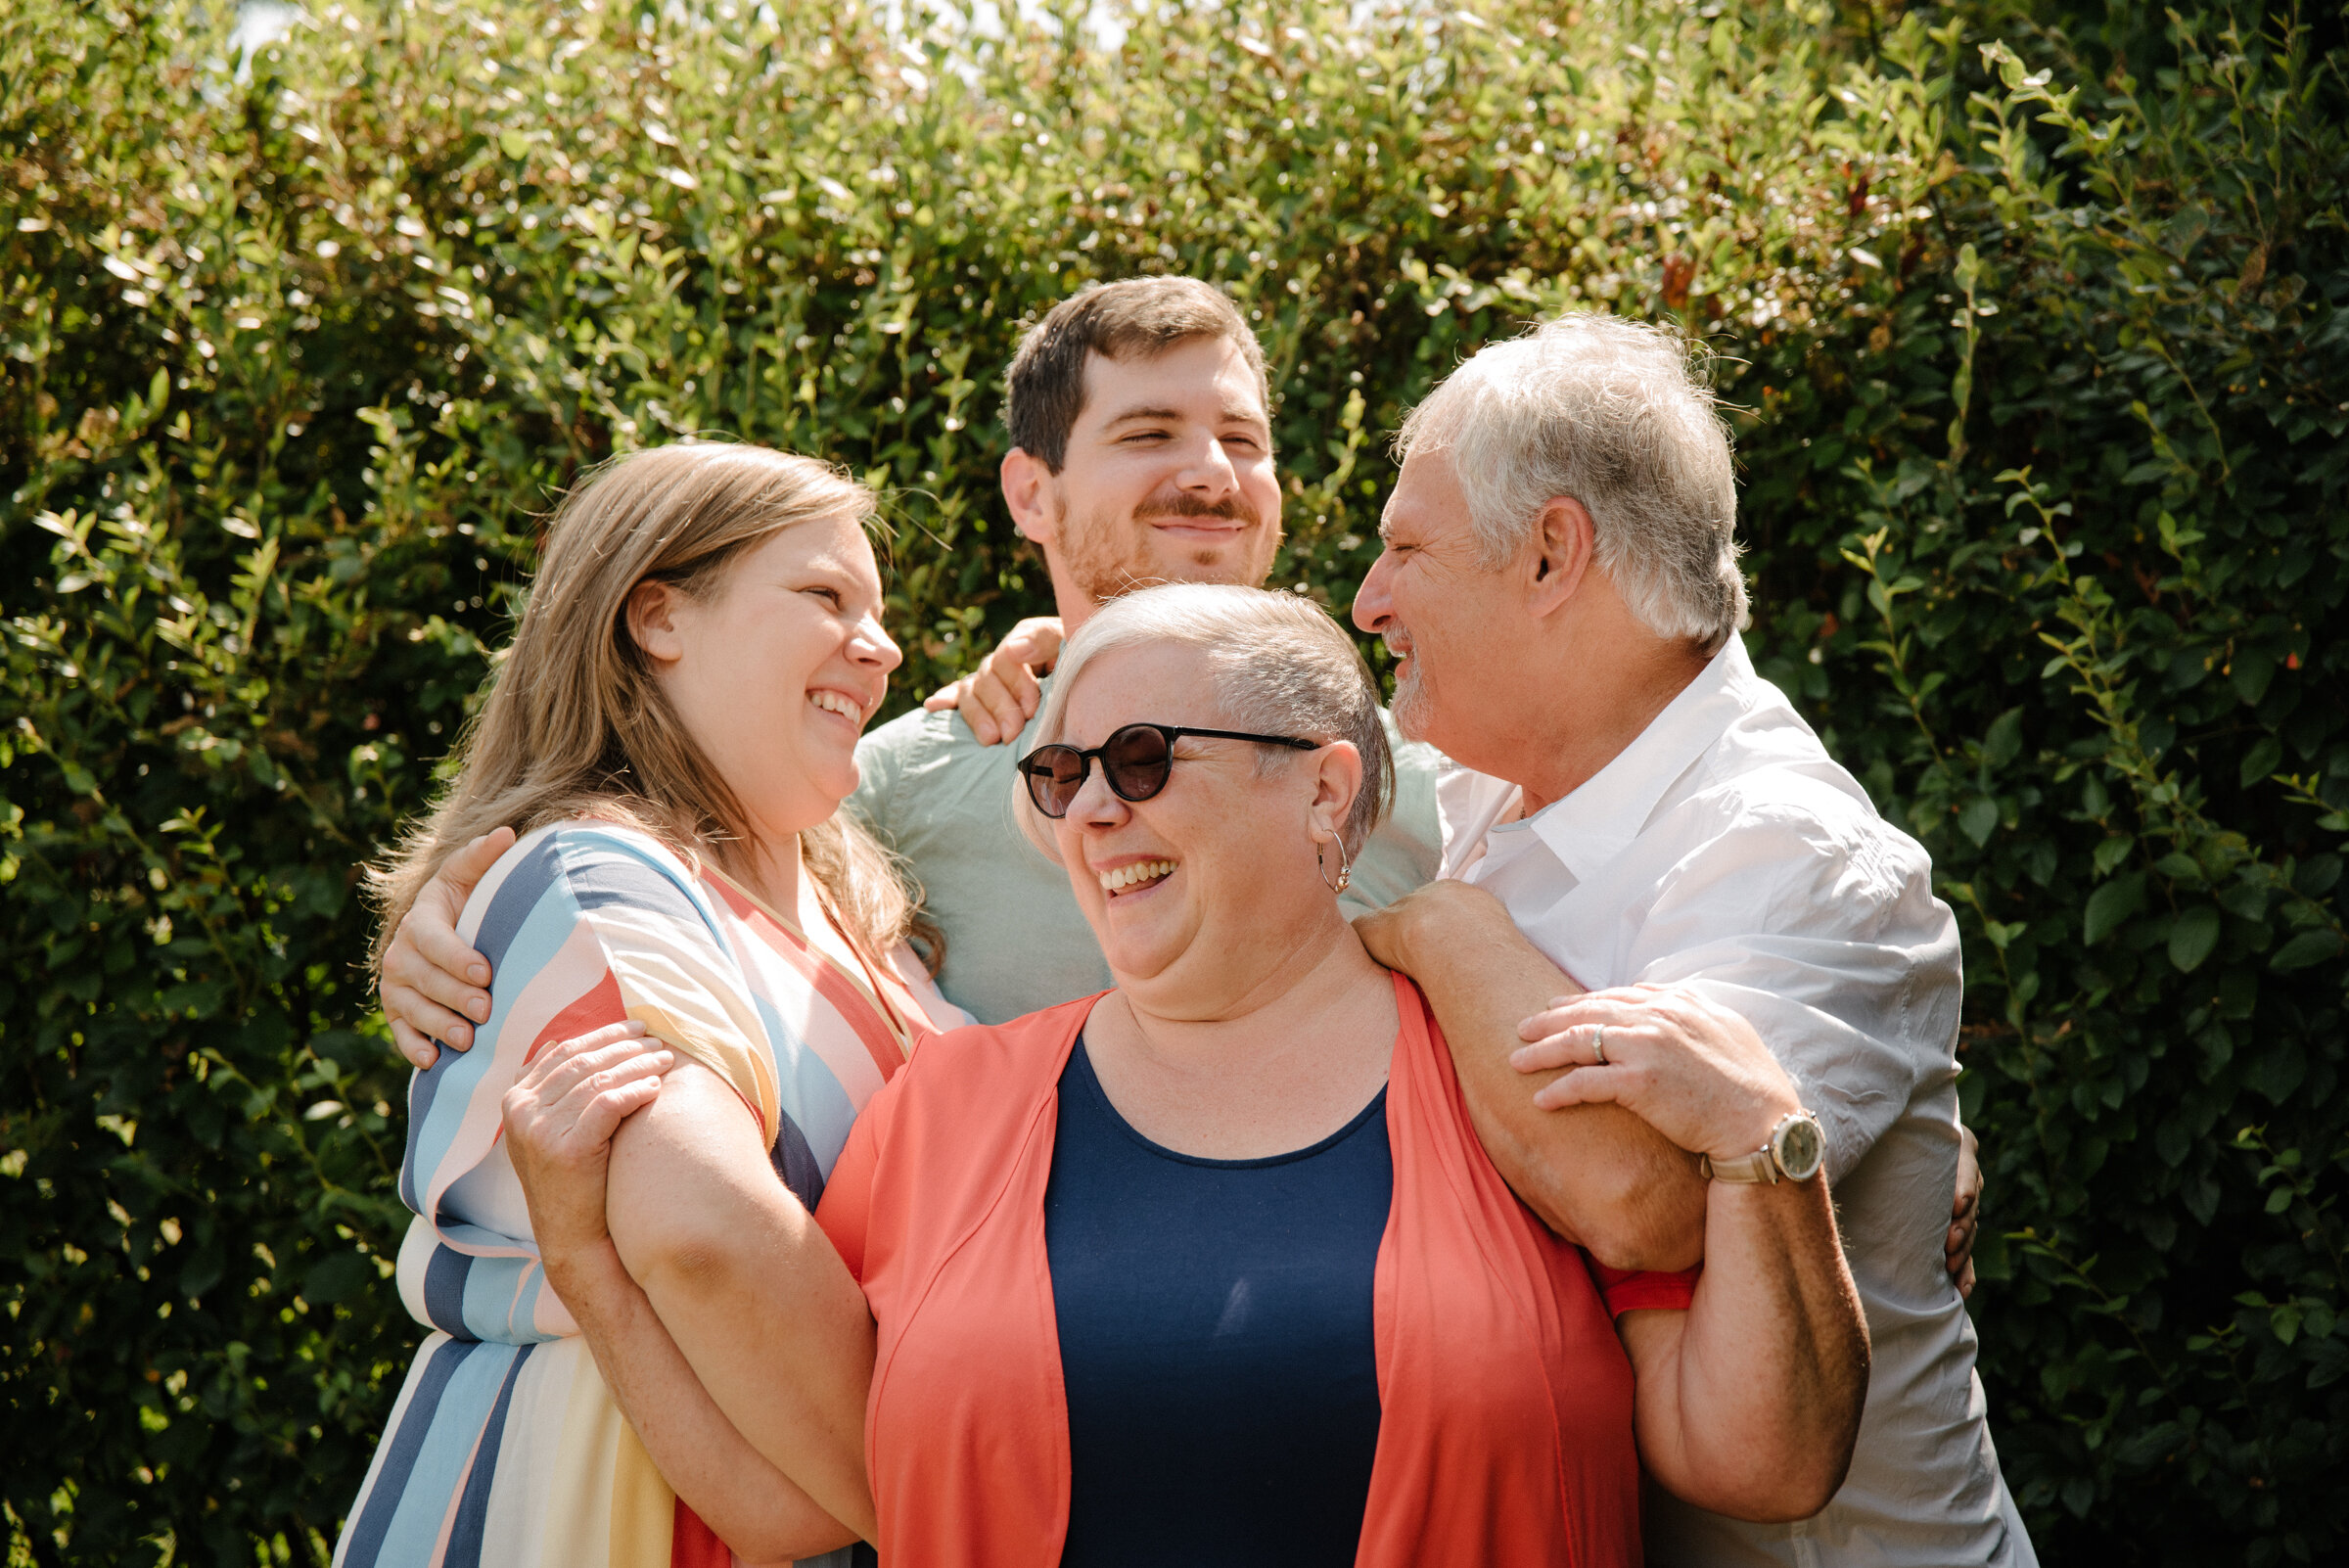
column 1799, row 1147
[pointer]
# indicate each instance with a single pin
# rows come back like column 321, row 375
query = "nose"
column 872, row 646
column 1097, row 805
column 1207, row 469
column 1375, row 600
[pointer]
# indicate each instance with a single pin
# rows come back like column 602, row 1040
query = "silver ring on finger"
column 1598, row 1047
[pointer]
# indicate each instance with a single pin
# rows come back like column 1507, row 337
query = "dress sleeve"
column 1631, row 1290
column 585, row 926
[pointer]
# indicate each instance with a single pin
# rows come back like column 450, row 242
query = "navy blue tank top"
column 1216, row 1340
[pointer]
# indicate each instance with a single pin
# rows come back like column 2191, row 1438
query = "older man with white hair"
column 1560, row 582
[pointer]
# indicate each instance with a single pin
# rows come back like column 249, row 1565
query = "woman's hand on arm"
column 1598, row 1175
column 752, row 1291
column 432, row 986
column 560, row 1118
column 1748, row 1402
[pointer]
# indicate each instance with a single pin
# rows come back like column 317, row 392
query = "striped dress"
column 506, row 1448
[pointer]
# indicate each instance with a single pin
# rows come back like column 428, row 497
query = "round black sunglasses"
column 1137, row 759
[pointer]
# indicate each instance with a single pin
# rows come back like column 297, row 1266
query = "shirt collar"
column 1598, row 820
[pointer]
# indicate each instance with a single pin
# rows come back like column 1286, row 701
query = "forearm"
column 753, row 1508
column 1748, row 1404
column 754, row 1294
column 1597, row 1174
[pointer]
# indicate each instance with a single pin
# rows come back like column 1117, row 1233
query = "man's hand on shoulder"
column 431, row 985
column 998, row 698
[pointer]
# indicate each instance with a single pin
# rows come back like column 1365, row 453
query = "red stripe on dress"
column 601, row 1005
column 693, row 1543
column 856, row 1009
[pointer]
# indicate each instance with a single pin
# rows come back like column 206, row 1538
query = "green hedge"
column 2043, row 374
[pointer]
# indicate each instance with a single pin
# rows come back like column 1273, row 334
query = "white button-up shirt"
column 1724, row 850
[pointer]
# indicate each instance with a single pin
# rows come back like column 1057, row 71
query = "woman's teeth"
column 1134, row 875
column 832, row 701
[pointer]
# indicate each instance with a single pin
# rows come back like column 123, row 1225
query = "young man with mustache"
column 1142, row 453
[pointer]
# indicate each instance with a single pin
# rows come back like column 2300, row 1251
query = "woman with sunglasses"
column 1212, row 1267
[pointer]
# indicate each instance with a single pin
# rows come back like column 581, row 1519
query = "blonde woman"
column 671, row 732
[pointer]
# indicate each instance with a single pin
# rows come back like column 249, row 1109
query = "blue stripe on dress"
column 516, row 898
column 445, row 1291
column 806, row 1086
column 537, row 937
column 473, row 1510
column 795, row 1162
column 638, row 885
column 400, row 1458
column 421, row 1520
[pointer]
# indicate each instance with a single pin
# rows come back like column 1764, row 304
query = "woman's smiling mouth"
column 1134, row 876
column 832, row 701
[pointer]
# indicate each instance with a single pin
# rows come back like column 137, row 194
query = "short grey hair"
column 1618, row 415
column 1277, row 665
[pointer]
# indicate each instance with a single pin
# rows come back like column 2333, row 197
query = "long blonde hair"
column 575, row 723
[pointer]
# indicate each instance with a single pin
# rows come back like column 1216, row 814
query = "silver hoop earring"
column 1345, row 867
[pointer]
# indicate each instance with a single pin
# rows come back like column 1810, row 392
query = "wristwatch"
column 1797, row 1146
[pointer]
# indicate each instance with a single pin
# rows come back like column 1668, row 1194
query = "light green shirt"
column 1015, row 939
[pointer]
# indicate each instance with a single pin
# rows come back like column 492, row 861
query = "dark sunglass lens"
column 1055, row 774
column 1137, row 760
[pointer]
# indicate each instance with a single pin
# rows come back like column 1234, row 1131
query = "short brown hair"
column 1133, row 315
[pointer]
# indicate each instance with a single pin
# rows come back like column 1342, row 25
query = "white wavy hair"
column 1618, row 415
column 1277, row 665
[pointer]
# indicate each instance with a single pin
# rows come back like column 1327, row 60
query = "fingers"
column 418, row 1048
column 1034, row 643
column 463, row 870
column 1589, row 1086
column 423, row 1018
column 615, row 1093
column 564, row 1062
column 1002, row 699
column 1965, row 1281
column 947, row 697
column 429, row 932
column 1609, row 1009
column 573, row 1097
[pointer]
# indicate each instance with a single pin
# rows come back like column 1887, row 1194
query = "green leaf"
column 2179, row 867
column 2003, row 739
column 2193, row 936
column 2112, row 851
column 1979, row 819
column 2111, row 904
column 2260, row 760
column 2251, row 670
column 2306, row 951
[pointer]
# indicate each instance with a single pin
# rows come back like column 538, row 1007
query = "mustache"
column 1232, row 509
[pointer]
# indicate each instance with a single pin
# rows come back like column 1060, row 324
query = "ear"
column 1337, row 780
column 1027, row 490
column 1559, row 555
column 653, row 613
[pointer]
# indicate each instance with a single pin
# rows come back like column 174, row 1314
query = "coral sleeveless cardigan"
column 1506, row 1398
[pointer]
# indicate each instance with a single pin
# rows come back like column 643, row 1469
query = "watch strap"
column 1759, row 1166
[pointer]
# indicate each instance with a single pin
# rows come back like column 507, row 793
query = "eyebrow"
column 1236, row 413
